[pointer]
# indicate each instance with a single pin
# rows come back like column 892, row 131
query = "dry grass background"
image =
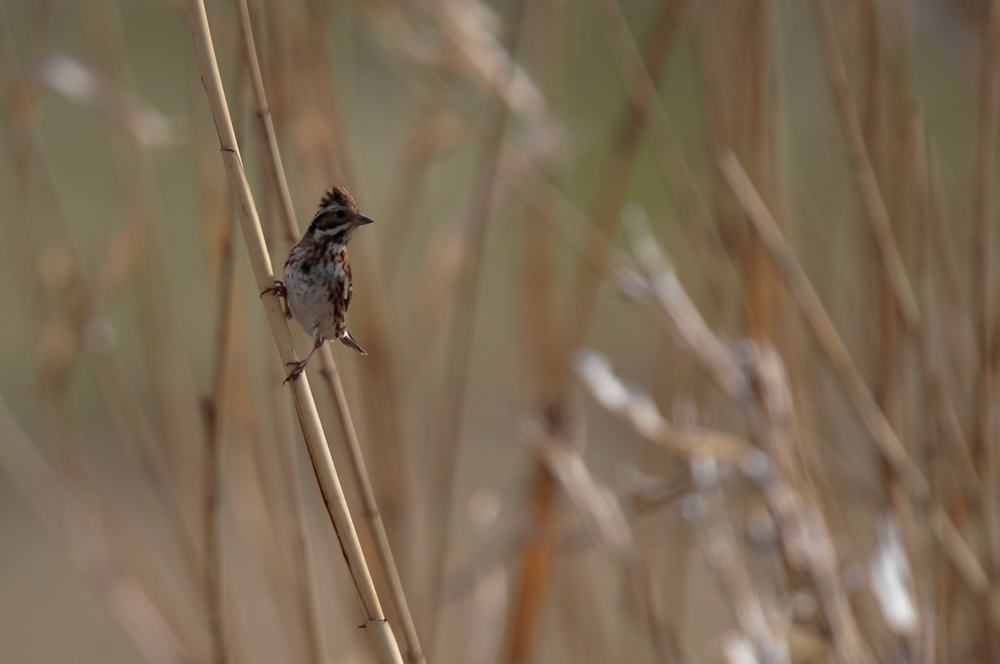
column 681, row 320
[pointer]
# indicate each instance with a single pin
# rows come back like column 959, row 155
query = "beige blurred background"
column 115, row 242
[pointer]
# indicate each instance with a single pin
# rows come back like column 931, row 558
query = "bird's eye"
column 341, row 214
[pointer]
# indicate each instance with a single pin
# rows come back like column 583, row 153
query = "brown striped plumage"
column 317, row 284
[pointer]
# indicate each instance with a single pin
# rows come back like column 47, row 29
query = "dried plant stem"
column 370, row 510
column 604, row 520
column 673, row 165
column 414, row 652
column 867, row 180
column 614, row 185
column 326, row 150
column 214, row 413
column 889, row 136
column 536, row 561
column 266, row 124
column 807, row 547
column 833, row 347
column 460, row 342
column 823, row 329
column 934, row 381
column 984, row 450
column 215, row 418
column 312, row 430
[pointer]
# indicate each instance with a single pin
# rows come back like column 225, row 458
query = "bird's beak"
column 362, row 220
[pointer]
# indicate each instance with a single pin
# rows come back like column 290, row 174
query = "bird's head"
column 338, row 216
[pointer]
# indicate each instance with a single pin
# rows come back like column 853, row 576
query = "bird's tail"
column 351, row 342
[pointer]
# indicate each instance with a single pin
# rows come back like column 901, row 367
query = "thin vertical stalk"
column 864, row 171
column 214, row 419
column 614, row 186
column 476, row 226
column 537, row 556
column 370, row 511
column 984, row 446
column 826, row 335
column 377, row 626
column 327, row 155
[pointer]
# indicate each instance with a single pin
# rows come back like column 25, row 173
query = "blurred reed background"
column 680, row 317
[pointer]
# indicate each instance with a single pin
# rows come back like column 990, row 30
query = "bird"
column 316, row 287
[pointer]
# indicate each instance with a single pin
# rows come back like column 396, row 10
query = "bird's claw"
column 278, row 290
column 297, row 369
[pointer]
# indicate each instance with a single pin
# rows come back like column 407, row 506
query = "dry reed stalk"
column 929, row 197
column 723, row 43
column 716, row 534
column 671, row 162
column 605, row 522
column 865, row 175
column 214, row 415
column 302, row 574
column 806, row 541
column 571, row 538
column 539, row 327
column 836, row 353
column 475, row 226
column 873, row 126
column 807, row 547
column 762, row 311
column 214, row 421
column 540, row 332
column 984, row 440
column 638, row 409
column 989, row 100
column 739, row 57
column 937, row 400
column 325, row 148
column 942, row 403
column 285, row 456
column 823, row 329
column 889, row 137
column 370, row 509
column 955, row 300
column 613, row 187
column 960, row 553
column 536, row 561
column 226, row 410
column 312, row 430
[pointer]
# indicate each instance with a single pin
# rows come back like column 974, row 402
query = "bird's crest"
column 338, row 196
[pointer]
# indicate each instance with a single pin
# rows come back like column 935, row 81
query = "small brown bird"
column 317, row 284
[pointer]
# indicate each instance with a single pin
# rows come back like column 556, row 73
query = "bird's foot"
column 297, row 369
column 278, row 290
